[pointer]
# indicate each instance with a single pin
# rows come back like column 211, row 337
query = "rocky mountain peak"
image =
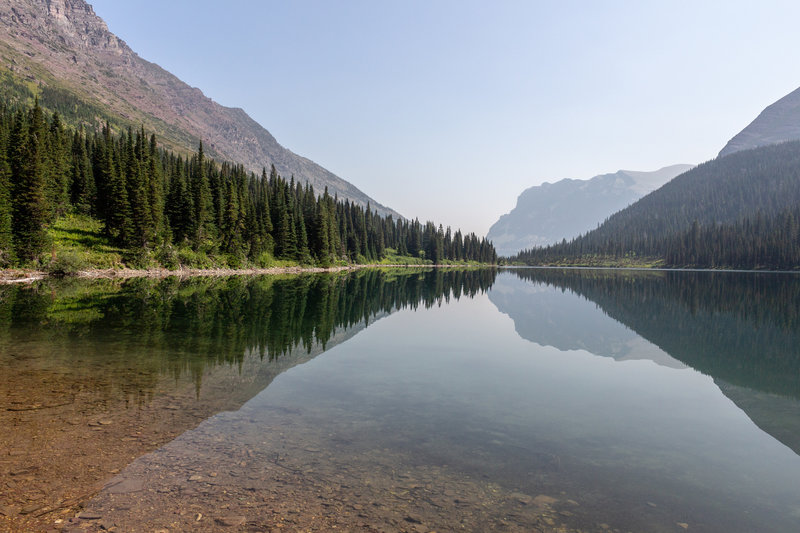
column 64, row 44
column 70, row 23
column 777, row 123
column 545, row 214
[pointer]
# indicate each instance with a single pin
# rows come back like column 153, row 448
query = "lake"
column 403, row 400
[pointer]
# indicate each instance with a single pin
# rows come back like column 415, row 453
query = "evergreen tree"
column 57, row 168
column 154, row 191
column 6, row 252
column 202, row 215
column 82, row 187
column 146, row 196
column 5, row 197
column 30, row 211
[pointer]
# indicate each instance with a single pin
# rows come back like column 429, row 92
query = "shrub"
column 167, row 256
column 265, row 260
column 66, row 264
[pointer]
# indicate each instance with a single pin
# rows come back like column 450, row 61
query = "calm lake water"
column 519, row 400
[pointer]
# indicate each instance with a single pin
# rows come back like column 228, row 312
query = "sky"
column 446, row 110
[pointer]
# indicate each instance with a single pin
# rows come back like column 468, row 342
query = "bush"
column 191, row 259
column 233, row 261
column 139, row 258
column 167, row 257
column 5, row 259
column 265, row 260
column 66, row 264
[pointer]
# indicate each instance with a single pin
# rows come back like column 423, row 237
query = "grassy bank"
column 78, row 246
column 601, row 261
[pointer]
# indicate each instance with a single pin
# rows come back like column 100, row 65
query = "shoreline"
column 12, row 276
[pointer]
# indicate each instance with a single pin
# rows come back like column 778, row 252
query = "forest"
column 162, row 207
column 738, row 211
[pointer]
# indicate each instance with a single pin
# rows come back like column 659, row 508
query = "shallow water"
column 577, row 400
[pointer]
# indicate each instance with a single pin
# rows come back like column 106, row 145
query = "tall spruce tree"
column 30, row 210
column 202, row 212
column 82, row 186
column 5, row 196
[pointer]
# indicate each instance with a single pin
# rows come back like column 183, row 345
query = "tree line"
column 153, row 201
column 738, row 211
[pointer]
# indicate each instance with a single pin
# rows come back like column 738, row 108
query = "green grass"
column 78, row 243
column 82, row 237
column 600, row 261
column 393, row 258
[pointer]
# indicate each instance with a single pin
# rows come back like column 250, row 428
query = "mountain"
column 777, row 123
column 738, row 211
column 63, row 53
column 547, row 213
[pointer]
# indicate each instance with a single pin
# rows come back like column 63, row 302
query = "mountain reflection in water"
column 742, row 329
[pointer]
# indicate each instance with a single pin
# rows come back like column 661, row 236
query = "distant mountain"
column 740, row 211
column 777, row 123
column 547, row 213
column 62, row 52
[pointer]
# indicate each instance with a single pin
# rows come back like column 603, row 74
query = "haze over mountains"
column 64, row 53
column 743, row 205
column 546, row 214
column 740, row 210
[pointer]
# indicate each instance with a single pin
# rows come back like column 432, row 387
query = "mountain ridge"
column 63, row 44
column 738, row 211
column 547, row 213
column 778, row 122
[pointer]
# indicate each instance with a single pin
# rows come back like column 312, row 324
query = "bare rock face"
column 780, row 122
column 63, row 42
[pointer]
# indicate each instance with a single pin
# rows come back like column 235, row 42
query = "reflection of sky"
column 450, row 379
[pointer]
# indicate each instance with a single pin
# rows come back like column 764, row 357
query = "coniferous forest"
column 737, row 211
column 155, row 204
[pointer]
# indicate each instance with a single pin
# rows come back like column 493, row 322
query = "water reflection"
column 566, row 321
column 444, row 418
column 441, row 415
column 93, row 373
column 743, row 329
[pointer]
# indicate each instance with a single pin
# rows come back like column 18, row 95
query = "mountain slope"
column 61, row 51
column 721, row 191
column 547, row 213
column 742, row 211
column 777, row 123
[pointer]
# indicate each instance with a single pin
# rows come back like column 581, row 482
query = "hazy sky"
column 448, row 109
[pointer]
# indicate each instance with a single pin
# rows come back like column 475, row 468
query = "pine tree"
column 29, row 201
column 202, row 215
column 5, row 199
column 82, row 186
column 155, row 190
column 57, row 168
column 179, row 205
